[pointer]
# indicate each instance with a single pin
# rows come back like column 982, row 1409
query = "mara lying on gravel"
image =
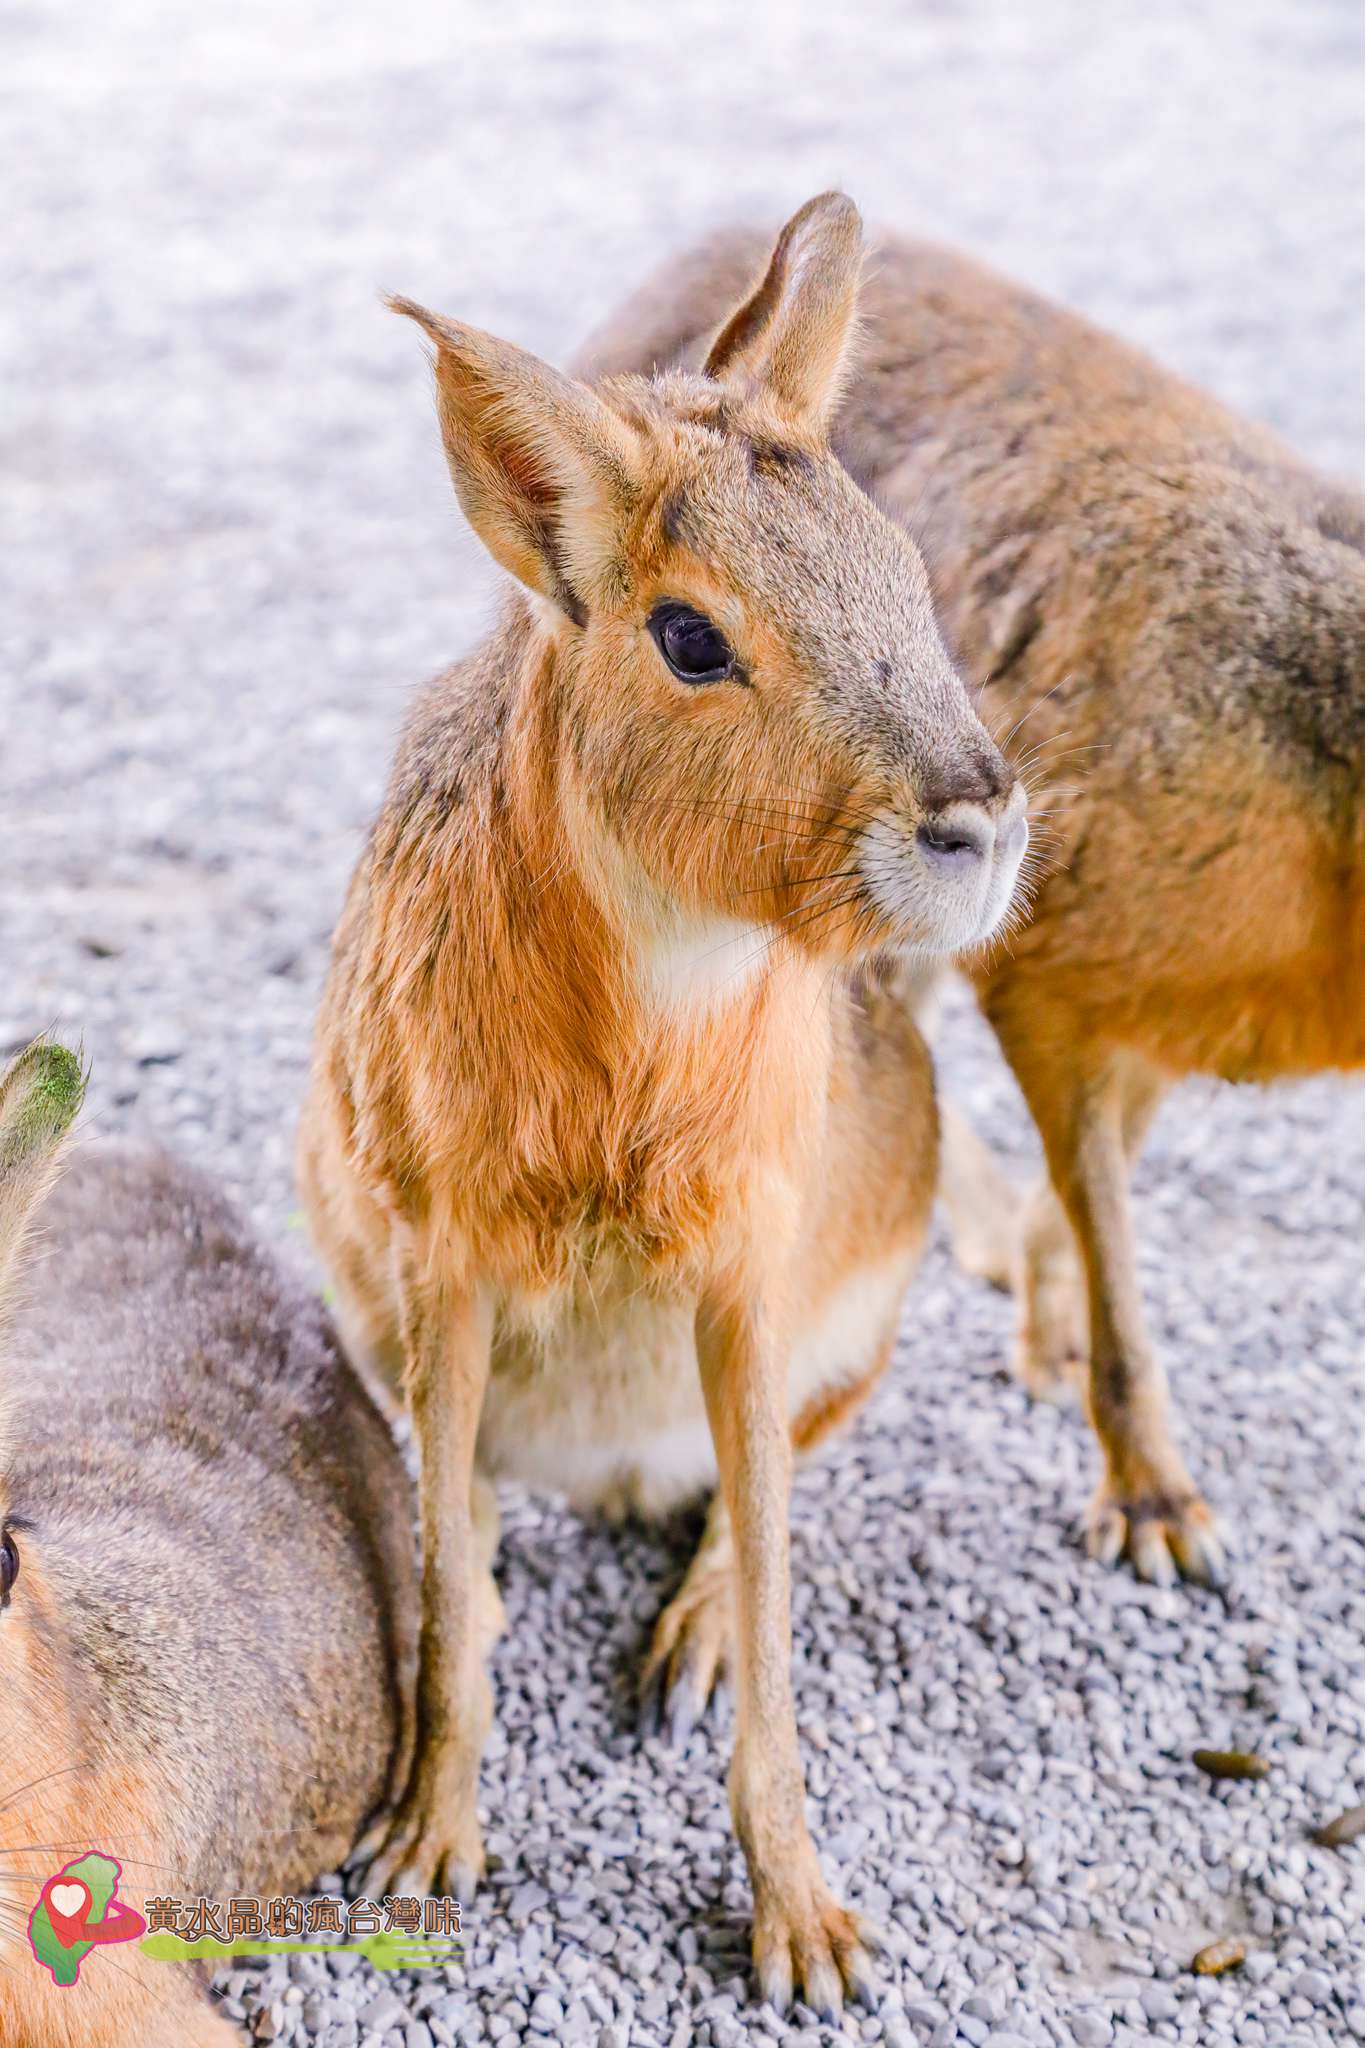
column 1169, row 607
column 606, row 1141
column 207, row 1582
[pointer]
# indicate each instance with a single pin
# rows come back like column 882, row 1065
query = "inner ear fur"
column 536, row 457
column 793, row 334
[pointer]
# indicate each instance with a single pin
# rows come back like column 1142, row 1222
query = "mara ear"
column 536, row 458
column 40, row 1093
column 793, row 333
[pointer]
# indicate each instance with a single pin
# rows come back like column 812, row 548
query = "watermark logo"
column 392, row 1934
column 79, row 1909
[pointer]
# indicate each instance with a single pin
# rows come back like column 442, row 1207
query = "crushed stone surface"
column 230, row 554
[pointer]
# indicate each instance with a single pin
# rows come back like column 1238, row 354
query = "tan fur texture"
column 1166, row 610
column 202, row 1656
column 606, row 1144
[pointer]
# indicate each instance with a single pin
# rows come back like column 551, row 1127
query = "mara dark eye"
column 695, row 650
column 9, row 1566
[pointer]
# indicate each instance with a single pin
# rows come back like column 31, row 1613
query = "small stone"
column 547, row 2014
column 1158, row 2003
column 381, row 2011
column 1314, row 1986
column 923, row 2015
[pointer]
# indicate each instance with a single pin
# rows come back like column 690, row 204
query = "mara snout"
column 943, row 874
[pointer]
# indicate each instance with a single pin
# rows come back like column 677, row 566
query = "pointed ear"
column 535, row 456
column 792, row 335
column 40, row 1093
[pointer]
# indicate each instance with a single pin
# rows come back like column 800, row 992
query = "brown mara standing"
column 605, row 1140
column 207, row 1582
column 1167, row 607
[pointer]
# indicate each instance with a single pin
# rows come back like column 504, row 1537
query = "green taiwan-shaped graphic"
column 100, row 1873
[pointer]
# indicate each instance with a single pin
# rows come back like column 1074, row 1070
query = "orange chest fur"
column 656, row 1144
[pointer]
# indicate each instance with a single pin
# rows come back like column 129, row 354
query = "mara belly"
column 596, row 1394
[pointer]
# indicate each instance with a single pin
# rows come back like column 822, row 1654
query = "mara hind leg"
column 985, row 1213
column 1052, row 1346
column 1146, row 1506
column 866, row 1229
column 983, row 1209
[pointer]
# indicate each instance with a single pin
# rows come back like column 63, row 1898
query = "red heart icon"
column 68, row 1905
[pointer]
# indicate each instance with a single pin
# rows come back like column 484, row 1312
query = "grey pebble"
column 380, row 2011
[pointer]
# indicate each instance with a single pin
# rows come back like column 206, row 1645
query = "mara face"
column 759, row 706
column 754, row 720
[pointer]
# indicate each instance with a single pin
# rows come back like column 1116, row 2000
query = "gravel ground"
column 230, row 552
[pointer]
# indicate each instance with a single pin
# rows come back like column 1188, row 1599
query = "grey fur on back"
column 221, row 1508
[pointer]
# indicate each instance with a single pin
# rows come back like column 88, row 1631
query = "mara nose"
column 958, row 836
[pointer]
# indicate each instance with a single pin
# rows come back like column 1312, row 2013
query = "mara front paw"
column 1164, row 1532
column 690, row 1657
column 808, row 1946
column 428, row 1848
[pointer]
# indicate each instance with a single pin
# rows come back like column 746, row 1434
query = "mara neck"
column 580, row 908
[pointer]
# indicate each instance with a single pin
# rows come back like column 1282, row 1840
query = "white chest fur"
column 695, row 965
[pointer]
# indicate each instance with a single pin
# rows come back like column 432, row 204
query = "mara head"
column 753, row 721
